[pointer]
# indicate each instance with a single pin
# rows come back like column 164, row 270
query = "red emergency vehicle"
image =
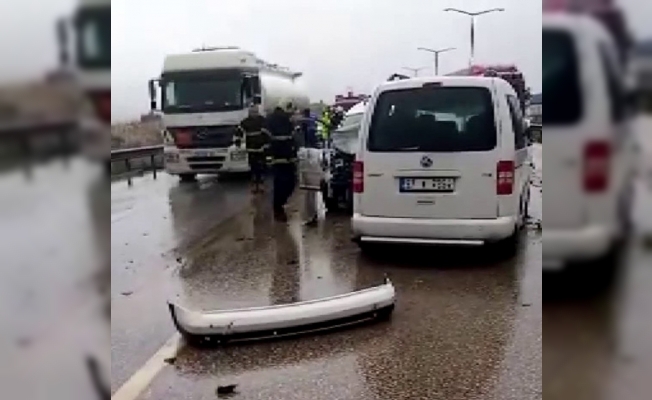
column 508, row 72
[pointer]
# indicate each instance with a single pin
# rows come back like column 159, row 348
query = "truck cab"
column 90, row 66
column 204, row 95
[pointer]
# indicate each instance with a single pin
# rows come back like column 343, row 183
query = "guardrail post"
column 153, row 164
column 26, row 148
column 64, row 142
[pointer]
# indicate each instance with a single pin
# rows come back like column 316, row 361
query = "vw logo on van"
column 426, row 162
column 202, row 134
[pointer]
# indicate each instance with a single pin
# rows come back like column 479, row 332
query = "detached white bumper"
column 586, row 244
column 432, row 231
column 218, row 327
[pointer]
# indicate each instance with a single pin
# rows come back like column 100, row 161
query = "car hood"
column 346, row 141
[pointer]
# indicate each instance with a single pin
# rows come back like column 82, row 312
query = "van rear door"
column 431, row 152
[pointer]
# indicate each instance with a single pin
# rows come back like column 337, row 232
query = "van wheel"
column 187, row 177
column 366, row 248
column 507, row 247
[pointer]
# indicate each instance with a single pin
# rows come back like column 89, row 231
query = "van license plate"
column 427, row 184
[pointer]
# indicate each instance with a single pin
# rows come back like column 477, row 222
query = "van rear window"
column 437, row 119
column 560, row 79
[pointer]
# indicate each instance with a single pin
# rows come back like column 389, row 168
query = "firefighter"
column 283, row 151
column 251, row 128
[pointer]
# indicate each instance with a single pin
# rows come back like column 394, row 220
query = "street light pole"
column 473, row 16
column 436, row 53
column 415, row 71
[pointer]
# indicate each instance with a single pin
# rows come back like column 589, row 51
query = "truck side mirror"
column 258, row 99
column 62, row 37
column 152, row 94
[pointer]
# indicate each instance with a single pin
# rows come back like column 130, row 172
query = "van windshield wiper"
column 409, row 148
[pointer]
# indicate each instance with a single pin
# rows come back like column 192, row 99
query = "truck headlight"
column 167, row 137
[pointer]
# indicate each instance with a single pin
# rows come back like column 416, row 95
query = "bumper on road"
column 219, row 327
column 432, row 231
column 586, row 244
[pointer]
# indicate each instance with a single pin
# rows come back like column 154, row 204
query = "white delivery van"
column 588, row 140
column 205, row 94
column 441, row 160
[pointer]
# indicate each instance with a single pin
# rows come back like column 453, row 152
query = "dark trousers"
column 284, row 182
column 257, row 166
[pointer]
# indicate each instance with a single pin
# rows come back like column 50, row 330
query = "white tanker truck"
column 90, row 64
column 204, row 95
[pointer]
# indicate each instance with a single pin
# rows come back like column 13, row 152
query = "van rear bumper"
column 435, row 231
column 575, row 245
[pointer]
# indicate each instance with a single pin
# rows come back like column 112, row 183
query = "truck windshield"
column 93, row 38
column 202, row 93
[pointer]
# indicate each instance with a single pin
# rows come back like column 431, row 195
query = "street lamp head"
column 473, row 14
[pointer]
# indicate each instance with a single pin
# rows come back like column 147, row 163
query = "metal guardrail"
column 136, row 152
column 26, row 140
column 22, row 129
column 126, row 155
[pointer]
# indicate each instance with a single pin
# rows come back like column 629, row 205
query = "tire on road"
column 188, row 177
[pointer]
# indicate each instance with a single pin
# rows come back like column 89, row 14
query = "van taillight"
column 597, row 155
column 505, row 177
column 358, row 177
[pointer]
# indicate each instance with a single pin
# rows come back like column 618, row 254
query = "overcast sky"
column 337, row 44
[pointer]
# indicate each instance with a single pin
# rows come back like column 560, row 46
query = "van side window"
column 614, row 84
column 517, row 122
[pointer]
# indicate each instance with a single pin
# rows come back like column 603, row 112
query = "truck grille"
column 203, row 136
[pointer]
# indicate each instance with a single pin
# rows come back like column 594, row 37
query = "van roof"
column 473, row 81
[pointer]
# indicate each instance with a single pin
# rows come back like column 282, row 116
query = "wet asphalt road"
column 51, row 312
column 467, row 324
column 152, row 223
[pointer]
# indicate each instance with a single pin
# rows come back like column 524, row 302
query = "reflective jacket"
column 325, row 125
column 283, row 148
column 251, row 128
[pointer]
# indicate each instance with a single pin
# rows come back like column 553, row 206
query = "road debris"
column 224, row 391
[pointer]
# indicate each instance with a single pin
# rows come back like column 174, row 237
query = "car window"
column 517, row 121
column 441, row 119
column 561, row 82
column 614, row 83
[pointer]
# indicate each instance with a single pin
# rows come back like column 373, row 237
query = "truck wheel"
column 187, row 177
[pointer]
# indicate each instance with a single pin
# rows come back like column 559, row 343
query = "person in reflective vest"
column 283, row 151
column 251, row 128
column 325, row 125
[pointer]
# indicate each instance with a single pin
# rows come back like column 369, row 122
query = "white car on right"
column 589, row 143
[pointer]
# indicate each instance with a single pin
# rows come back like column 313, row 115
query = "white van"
column 589, row 144
column 441, row 160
